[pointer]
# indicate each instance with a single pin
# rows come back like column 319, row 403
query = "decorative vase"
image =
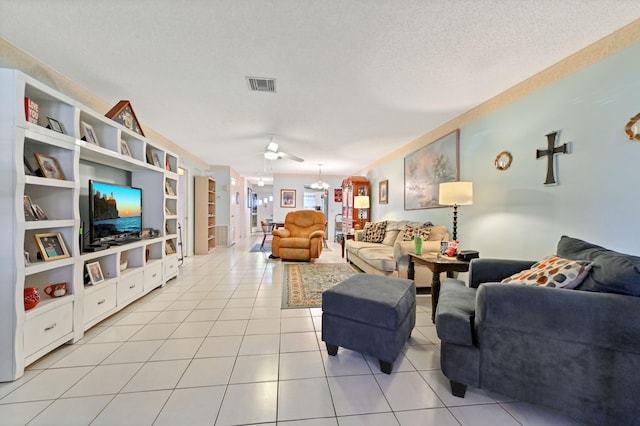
column 31, row 298
column 418, row 243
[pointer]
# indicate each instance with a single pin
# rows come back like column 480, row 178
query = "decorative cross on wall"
column 549, row 153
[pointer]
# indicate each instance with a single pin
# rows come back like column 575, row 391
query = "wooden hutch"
column 353, row 218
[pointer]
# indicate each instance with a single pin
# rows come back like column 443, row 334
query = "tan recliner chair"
column 302, row 235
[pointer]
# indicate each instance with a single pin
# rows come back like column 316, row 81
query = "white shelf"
column 22, row 337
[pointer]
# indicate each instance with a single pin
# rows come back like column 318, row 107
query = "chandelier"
column 319, row 184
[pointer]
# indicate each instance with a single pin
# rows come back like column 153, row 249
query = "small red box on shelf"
column 31, row 110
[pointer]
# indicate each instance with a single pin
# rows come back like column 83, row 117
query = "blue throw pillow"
column 611, row 272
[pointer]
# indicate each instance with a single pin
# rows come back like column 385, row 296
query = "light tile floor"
column 213, row 347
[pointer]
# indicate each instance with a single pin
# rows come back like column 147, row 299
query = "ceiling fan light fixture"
column 320, row 184
column 260, row 182
column 270, row 155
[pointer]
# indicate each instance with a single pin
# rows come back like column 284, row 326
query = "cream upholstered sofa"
column 389, row 257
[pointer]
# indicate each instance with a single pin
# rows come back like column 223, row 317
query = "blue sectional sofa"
column 576, row 351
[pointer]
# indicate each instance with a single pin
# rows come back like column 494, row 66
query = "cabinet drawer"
column 153, row 275
column 171, row 266
column 45, row 329
column 130, row 286
column 99, row 301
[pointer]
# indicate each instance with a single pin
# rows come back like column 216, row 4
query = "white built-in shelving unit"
column 27, row 335
column 204, row 215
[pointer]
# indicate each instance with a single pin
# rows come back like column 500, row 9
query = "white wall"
column 514, row 214
column 298, row 182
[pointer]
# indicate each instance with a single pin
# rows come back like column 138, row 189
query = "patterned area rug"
column 305, row 282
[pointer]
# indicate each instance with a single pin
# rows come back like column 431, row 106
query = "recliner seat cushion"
column 295, row 242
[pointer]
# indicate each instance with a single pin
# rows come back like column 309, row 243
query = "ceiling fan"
column 272, row 153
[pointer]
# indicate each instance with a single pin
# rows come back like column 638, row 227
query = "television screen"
column 115, row 211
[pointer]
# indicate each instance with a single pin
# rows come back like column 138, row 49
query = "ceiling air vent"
column 261, row 84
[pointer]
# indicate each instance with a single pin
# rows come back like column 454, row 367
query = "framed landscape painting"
column 426, row 168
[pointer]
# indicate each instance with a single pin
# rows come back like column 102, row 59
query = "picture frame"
column 123, row 113
column 383, row 192
column 288, row 198
column 54, row 125
column 156, row 160
column 146, row 233
column 124, row 148
column 168, row 188
column 169, row 248
column 49, row 166
column 51, row 246
column 29, row 213
column 40, row 214
column 426, row 168
column 95, row 273
column 88, row 133
column 28, row 169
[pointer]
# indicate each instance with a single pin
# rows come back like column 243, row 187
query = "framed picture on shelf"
column 124, row 148
column 383, row 192
column 156, row 160
column 29, row 214
column 95, row 273
column 428, row 167
column 54, row 125
column 288, row 198
column 168, row 188
column 40, row 214
column 123, row 113
column 51, row 246
column 169, row 248
column 49, row 167
column 88, row 134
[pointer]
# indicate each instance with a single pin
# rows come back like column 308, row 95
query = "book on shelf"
column 31, row 110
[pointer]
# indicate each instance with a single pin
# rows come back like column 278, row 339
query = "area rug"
column 257, row 249
column 305, row 282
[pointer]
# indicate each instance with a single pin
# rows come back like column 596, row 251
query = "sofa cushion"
column 552, row 271
column 381, row 257
column 390, row 236
column 410, row 232
column 374, row 232
column 612, row 272
column 438, row 233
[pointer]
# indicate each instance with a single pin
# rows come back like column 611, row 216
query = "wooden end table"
column 437, row 264
column 344, row 238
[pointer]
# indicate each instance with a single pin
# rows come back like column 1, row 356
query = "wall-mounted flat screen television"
column 115, row 212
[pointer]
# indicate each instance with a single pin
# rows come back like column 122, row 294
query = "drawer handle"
column 131, row 286
column 154, row 275
column 51, row 327
column 102, row 301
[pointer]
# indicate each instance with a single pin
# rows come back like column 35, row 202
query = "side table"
column 343, row 239
column 437, row 264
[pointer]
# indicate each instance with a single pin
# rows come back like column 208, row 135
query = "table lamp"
column 361, row 202
column 455, row 194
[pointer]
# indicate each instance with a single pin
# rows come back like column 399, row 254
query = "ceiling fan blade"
column 290, row 156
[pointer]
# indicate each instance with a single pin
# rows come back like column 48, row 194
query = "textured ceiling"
column 355, row 79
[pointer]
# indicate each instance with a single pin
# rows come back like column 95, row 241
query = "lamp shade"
column 456, row 193
column 361, row 201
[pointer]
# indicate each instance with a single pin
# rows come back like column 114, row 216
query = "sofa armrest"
column 281, row 232
column 494, row 270
column 358, row 235
column 604, row 320
column 402, row 248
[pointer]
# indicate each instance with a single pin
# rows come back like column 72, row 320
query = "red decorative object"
column 31, row 110
column 337, row 195
column 31, row 298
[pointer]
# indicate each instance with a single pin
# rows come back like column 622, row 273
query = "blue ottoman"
column 370, row 314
